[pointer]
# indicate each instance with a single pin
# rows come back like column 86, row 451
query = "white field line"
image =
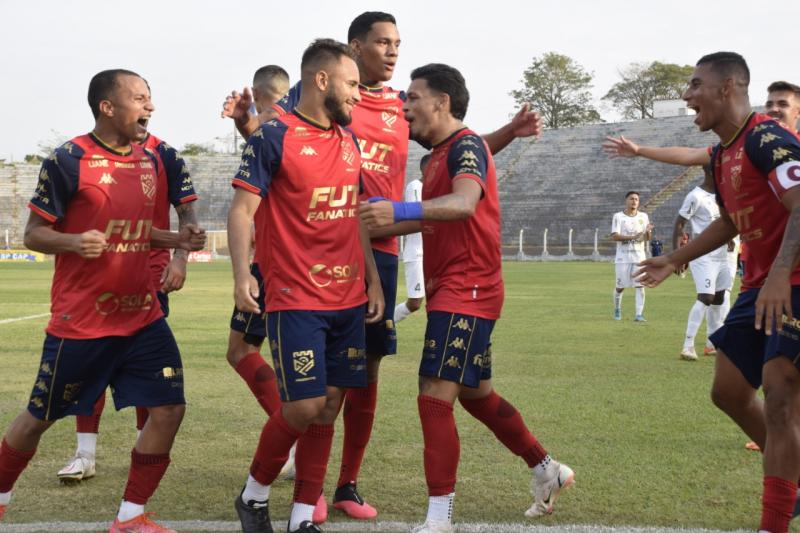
column 10, row 320
column 201, row 525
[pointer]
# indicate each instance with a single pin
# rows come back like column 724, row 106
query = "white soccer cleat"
column 80, row 467
column 545, row 488
column 688, row 354
column 288, row 472
column 435, row 526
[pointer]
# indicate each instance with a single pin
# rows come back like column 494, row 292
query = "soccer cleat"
column 709, row 350
column 545, row 488
column 348, row 499
column 617, row 314
column 750, row 445
column 306, row 527
column 287, row 472
column 254, row 516
column 80, row 467
column 639, row 318
column 435, row 526
column 688, row 354
column 320, row 514
column 139, row 524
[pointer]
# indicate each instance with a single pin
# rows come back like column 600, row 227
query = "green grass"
column 611, row 399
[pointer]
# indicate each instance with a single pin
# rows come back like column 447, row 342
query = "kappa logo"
column 303, row 361
column 468, row 155
column 779, row 154
column 453, row 362
column 458, row 343
column 467, row 142
column 258, row 133
column 248, row 151
column 107, row 179
column 45, row 369
column 462, row 324
column 37, row 402
column 307, row 150
column 41, row 385
column 767, row 138
column 239, row 316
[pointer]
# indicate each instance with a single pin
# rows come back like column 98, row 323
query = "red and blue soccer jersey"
column 84, row 186
column 174, row 187
column 752, row 172
column 307, row 238
column 382, row 132
column 462, row 262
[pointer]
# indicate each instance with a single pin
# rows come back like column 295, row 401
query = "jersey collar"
column 309, row 120
column 99, row 142
column 739, row 131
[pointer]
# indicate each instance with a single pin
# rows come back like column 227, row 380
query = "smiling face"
column 341, row 92
column 128, row 107
column 705, row 96
column 784, row 106
column 377, row 53
column 421, row 110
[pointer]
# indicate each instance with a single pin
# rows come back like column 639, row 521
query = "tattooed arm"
column 174, row 275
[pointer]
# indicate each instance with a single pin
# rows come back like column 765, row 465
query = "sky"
column 193, row 53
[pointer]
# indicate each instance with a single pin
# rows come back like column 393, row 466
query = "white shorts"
column 625, row 275
column 711, row 276
column 415, row 280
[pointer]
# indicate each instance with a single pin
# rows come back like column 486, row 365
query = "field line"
column 29, row 317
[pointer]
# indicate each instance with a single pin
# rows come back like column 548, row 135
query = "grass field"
column 611, row 399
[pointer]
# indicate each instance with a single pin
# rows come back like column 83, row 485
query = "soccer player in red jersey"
column 94, row 208
column 459, row 217
column 174, row 186
column 756, row 171
column 304, row 169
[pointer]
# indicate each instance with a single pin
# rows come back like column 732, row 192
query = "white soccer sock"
column 301, row 512
column 541, row 468
column 441, row 507
column 255, row 491
column 87, row 444
column 400, row 312
column 639, row 300
column 726, row 306
column 696, row 314
column 617, row 300
column 714, row 319
column 128, row 510
column 5, row 498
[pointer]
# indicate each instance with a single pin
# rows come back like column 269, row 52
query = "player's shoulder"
column 767, row 134
column 274, row 129
column 71, row 150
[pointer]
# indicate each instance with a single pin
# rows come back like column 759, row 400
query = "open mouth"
column 143, row 122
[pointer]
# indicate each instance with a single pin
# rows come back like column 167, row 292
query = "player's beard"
column 336, row 110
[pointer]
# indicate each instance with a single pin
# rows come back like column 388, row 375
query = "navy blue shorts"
column 163, row 301
column 382, row 335
column 315, row 349
column 144, row 370
column 748, row 348
column 457, row 348
column 253, row 325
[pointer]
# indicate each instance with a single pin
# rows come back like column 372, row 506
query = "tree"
column 642, row 84
column 33, row 159
column 195, row 149
column 559, row 88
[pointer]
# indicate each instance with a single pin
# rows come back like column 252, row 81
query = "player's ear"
column 355, row 45
column 443, row 102
column 322, row 79
column 106, row 108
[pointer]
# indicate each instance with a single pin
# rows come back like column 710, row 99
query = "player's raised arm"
column 675, row 155
column 237, row 106
column 526, row 123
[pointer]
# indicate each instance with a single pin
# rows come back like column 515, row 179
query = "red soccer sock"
column 91, row 423
column 144, row 475
column 777, row 504
column 311, row 462
column 276, row 440
column 506, row 423
column 442, row 447
column 260, row 377
column 12, row 463
column 359, row 414
column 142, row 414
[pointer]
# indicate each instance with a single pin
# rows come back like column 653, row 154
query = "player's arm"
column 375, row 301
column 525, row 123
column 678, row 229
column 240, row 219
column 174, row 275
column 237, row 106
column 675, row 155
column 40, row 236
column 406, row 227
column 190, row 238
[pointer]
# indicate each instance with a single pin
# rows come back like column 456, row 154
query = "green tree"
column 558, row 88
column 195, row 149
column 33, row 159
column 642, row 84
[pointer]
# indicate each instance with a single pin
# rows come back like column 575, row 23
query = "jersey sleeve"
column 58, row 183
column 261, row 158
column 616, row 226
column 179, row 183
column 467, row 158
column 775, row 152
column 289, row 102
column 689, row 207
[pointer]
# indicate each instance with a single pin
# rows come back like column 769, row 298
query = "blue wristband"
column 407, row 211
column 374, row 199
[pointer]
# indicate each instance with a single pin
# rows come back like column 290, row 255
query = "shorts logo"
column 71, row 391
column 41, row 385
column 303, row 361
column 430, row 344
column 273, row 345
column 458, row 344
column 37, row 402
column 462, row 324
column 171, row 373
column 356, row 353
column 390, row 324
column 45, row 369
column 239, row 316
column 453, row 362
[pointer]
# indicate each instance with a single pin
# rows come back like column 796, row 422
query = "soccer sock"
column 639, row 300
column 696, row 314
column 144, row 475
column 359, row 414
column 617, row 300
column 5, row 498
column 142, row 414
column 91, row 423
column 311, row 462
column 276, row 439
column 506, row 423
column 400, row 312
column 260, row 377
column 541, row 467
column 12, row 463
column 87, row 444
column 128, row 511
column 442, row 447
column 301, row 512
column 726, row 305
column 777, row 504
column 714, row 319
column 441, row 507
column 255, row 492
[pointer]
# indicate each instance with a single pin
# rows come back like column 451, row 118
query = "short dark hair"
column 321, row 51
column 448, row 80
column 269, row 76
column 632, row 192
column 362, row 24
column 424, row 160
column 727, row 65
column 784, row 86
column 103, row 84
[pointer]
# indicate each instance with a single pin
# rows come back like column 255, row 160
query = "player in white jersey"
column 631, row 229
column 412, row 254
column 711, row 274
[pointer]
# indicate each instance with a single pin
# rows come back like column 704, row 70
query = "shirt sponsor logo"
column 322, row 275
column 335, row 200
column 119, row 164
column 135, row 235
column 97, row 163
column 108, row 303
column 373, row 156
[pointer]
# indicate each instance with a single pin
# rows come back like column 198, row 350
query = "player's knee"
column 778, row 401
column 373, row 367
column 414, row 304
column 706, row 299
column 301, row 413
column 28, row 427
column 719, row 298
column 167, row 415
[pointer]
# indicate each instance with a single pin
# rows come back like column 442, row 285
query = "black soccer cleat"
column 254, row 516
column 306, row 526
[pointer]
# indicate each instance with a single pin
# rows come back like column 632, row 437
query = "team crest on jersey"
column 307, row 150
column 736, row 177
column 347, row 153
column 148, row 182
column 303, row 361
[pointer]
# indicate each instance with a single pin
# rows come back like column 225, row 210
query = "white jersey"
column 412, row 244
column 700, row 208
column 627, row 226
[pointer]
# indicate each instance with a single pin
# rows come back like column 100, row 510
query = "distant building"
column 670, row 108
